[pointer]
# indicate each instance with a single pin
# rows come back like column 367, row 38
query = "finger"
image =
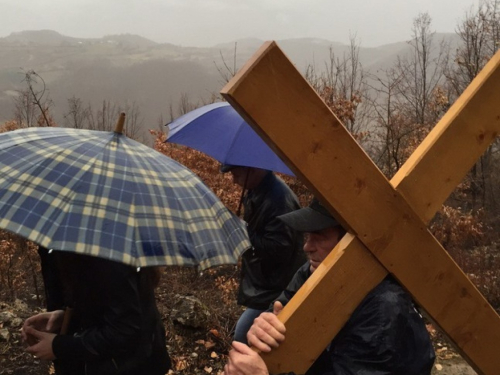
column 264, row 337
column 277, row 307
column 261, row 340
column 23, row 332
column 228, row 368
column 50, row 324
column 260, row 345
column 33, row 332
column 272, row 320
column 242, row 348
column 32, row 349
column 264, row 328
column 28, row 322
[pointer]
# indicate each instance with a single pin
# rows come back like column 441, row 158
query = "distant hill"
column 39, row 37
column 127, row 69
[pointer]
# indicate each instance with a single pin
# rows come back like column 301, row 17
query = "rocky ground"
column 451, row 364
column 199, row 318
column 455, row 366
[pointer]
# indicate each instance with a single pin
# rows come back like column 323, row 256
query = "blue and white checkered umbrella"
column 103, row 194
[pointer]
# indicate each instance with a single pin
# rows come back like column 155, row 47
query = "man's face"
column 239, row 175
column 319, row 244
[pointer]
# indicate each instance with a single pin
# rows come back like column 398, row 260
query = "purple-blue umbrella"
column 220, row 132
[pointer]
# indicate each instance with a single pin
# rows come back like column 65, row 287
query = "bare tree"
column 342, row 86
column 185, row 104
column 133, row 121
column 104, row 119
column 78, row 115
column 407, row 100
column 422, row 72
column 479, row 33
column 32, row 104
column 226, row 71
column 475, row 50
column 391, row 128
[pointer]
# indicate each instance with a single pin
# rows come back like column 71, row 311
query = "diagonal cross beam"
column 387, row 219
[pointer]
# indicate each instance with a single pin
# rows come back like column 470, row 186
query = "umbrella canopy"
column 219, row 131
column 103, row 194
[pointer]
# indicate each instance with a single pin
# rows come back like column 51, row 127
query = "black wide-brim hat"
column 313, row 218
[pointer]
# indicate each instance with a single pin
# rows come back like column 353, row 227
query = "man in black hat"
column 276, row 253
column 385, row 335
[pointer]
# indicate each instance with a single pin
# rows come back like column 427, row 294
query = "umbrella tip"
column 120, row 123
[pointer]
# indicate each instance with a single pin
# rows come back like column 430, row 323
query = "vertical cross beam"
column 390, row 223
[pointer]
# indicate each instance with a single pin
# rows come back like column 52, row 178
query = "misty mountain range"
column 130, row 69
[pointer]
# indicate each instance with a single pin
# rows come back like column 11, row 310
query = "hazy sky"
column 208, row 22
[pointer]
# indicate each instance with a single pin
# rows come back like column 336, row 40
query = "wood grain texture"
column 390, row 221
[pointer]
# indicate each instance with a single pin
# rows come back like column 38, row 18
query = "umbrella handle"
column 120, row 123
column 238, row 212
column 68, row 312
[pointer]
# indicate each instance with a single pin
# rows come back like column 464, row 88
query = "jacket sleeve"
column 274, row 240
column 119, row 325
column 384, row 336
column 298, row 279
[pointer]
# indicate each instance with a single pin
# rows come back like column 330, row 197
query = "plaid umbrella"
column 103, row 194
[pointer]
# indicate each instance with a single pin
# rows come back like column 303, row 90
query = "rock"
column 9, row 319
column 4, row 335
column 190, row 311
column 20, row 305
column 6, row 317
column 16, row 322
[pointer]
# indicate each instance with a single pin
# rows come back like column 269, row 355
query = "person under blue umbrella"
column 276, row 251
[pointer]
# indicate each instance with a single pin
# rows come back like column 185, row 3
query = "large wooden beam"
column 271, row 93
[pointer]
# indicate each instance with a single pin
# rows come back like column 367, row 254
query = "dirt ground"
column 454, row 366
column 448, row 361
column 194, row 351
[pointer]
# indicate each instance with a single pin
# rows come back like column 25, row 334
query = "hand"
column 267, row 331
column 43, row 347
column 44, row 322
column 244, row 361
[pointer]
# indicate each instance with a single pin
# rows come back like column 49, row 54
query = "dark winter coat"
column 115, row 326
column 276, row 251
column 384, row 336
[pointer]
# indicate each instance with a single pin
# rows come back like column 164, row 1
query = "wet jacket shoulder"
column 384, row 336
column 276, row 249
column 115, row 328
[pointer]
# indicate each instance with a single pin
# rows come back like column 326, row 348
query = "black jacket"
column 385, row 335
column 115, row 326
column 276, row 251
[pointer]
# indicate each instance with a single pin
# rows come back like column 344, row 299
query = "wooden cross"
column 387, row 220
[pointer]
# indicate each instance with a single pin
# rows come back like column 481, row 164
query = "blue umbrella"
column 103, row 194
column 219, row 131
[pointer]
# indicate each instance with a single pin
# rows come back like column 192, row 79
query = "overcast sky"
column 208, row 22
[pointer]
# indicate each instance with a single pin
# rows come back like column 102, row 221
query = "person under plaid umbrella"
column 109, row 207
